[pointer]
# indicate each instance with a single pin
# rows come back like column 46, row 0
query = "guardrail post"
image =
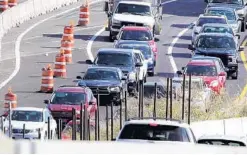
column 167, row 96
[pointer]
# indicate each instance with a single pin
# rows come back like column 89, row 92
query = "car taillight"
column 153, row 124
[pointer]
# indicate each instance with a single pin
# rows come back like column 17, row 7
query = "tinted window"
column 210, row 29
column 133, row 9
column 154, row 132
column 221, row 142
column 216, row 42
column 227, row 1
column 136, row 35
column 27, row 116
column 114, row 59
column 199, row 70
column 203, row 21
column 230, row 15
column 70, row 98
column 146, row 50
column 99, row 74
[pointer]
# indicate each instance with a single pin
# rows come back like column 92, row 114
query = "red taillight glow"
column 153, row 124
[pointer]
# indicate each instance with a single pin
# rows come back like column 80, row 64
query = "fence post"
column 81, row 122
column 84, row 122
column 167, row 96
column 89, row 128
column 23, row 131
column 183, row 97
column 2, row 123
column 107, row 122
column 189, row 99
column 142, row 98
column 10, row 117
column 112, row 120
column 125, row 106
column 171, row 98
column 120, row 115
column 139, row 105
column 155, row 98
column 49, row 128
column 73, row 124
column 98, row 115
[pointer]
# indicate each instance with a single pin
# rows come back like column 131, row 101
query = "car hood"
column 28, row 125
column 62, row 107
column 214, row 50
column 134, row 18
column 101, row 83
column 234, row 6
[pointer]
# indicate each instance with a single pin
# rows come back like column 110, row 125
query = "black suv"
column 218, row 45
column 108, row 82
column 123, row 59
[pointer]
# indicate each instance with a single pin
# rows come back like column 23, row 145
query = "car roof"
column 220, row 8
column 217, row 25
column 71, row 89
column 137, row 28
column 103, row 68
column 28, row 109
column 201, row 62
column 223, row 137
column 157, row 121
column 135, row 42
column 136, row 2
column 115, row 50
column 216, row 34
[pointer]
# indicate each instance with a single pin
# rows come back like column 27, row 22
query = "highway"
column 44, row 38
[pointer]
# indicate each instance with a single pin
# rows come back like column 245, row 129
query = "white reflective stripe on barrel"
column 66, row 48
column 84, row 13
column 67, row 35
column 47, row 85
column 60, row 63
column 7, row 101
column 47, row 77
column 68, row 55
column 84, row 19
column 59, row 70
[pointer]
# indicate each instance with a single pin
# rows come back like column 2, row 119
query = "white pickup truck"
column 133, row 12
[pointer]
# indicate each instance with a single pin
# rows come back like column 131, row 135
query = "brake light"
column 153, row 124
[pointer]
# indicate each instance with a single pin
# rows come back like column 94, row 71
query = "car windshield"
column 220, row 142
column 145, row 49
column 136, row 35
column 114, row 59
column 154, row 132
column 135, row 9
column 149, row 91
column 240, row 2
column 212, row 29
column 216, row 42
column 199, row 70
column 230, row 15
column 69, row 98
column 203, row 21
column 27, row 116
column 100, row 74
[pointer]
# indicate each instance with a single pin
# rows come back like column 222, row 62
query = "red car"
column 138, row 33
column 65, row 98
column 211, row 71
column 67, row 131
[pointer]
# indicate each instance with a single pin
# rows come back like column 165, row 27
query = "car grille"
column 62, row 114
column 101, row 90
column 131, row 24
column 20, row 131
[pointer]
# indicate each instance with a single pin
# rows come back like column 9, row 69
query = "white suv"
column 144, row 68
column 159, row 129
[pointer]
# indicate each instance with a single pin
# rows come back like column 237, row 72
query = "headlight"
column 214, row 83
column 132, row 76
column 240, row 12
column 115, row 89
column 116, row 21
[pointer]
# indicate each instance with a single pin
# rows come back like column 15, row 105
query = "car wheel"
column 151, row 73
column 111, row 39
column 235, row 75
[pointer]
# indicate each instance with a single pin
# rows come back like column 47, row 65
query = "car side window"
column 138, row 57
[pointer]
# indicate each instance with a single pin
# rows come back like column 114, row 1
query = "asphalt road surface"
column 44, row 38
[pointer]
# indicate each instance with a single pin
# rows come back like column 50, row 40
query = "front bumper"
column 106, row 99
column 26, row 136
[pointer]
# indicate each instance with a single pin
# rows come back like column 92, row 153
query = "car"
column 67, row 97
column 155, row 129
column 232, row 17
column 35, row 120
column 238, row 5
column 209, row 70
column 149, row 90
column 126, row 60
column 201, row 94
column 144, row 48
column 138, row 33
column 220, row 28
column 67, row 131
column 219, row 45
column 205, row 19
column 107, row 82
column 223, row 140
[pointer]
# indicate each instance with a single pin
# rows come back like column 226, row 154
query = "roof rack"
column 155, row 118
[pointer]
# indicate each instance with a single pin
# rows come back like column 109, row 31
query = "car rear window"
column 136, row 35
column 154, row 132
column 203, row 21
column 220, row 142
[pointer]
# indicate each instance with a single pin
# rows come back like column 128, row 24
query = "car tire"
column 151, row 73
column 243, row 26
column 111, row 39
column 235, row 75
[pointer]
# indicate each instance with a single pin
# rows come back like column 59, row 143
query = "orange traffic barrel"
column 66, row 46
column 68, row 33
column 47, row 81
column 10, row 101
column 3, row 5
column 84, row 15
column 12, row 3
column 60, row 65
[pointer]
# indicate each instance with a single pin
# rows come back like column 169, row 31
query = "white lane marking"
column 19, row 39
column 90, row 43
column 170, row 49
column 40, row 36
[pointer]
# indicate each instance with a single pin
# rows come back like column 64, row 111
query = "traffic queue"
column 214, row 46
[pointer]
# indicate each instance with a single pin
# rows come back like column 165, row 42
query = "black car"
column 218, row 45
column 107, row 82
column 123, row 59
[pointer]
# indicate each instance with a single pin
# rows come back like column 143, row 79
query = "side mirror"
column 91, row 103
column 46, row 101
column 237, row 35
column 241, row 48
column 139, row 64
column 106, row 6
column 192, row 24
column 179, row 73
column 89, row 62
column 222, row 74
column 183, row 68
column 196, row 33
column 190, row 47
column 124, row 78
column 78, row 77
column 156, row 39
column 240, row 19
